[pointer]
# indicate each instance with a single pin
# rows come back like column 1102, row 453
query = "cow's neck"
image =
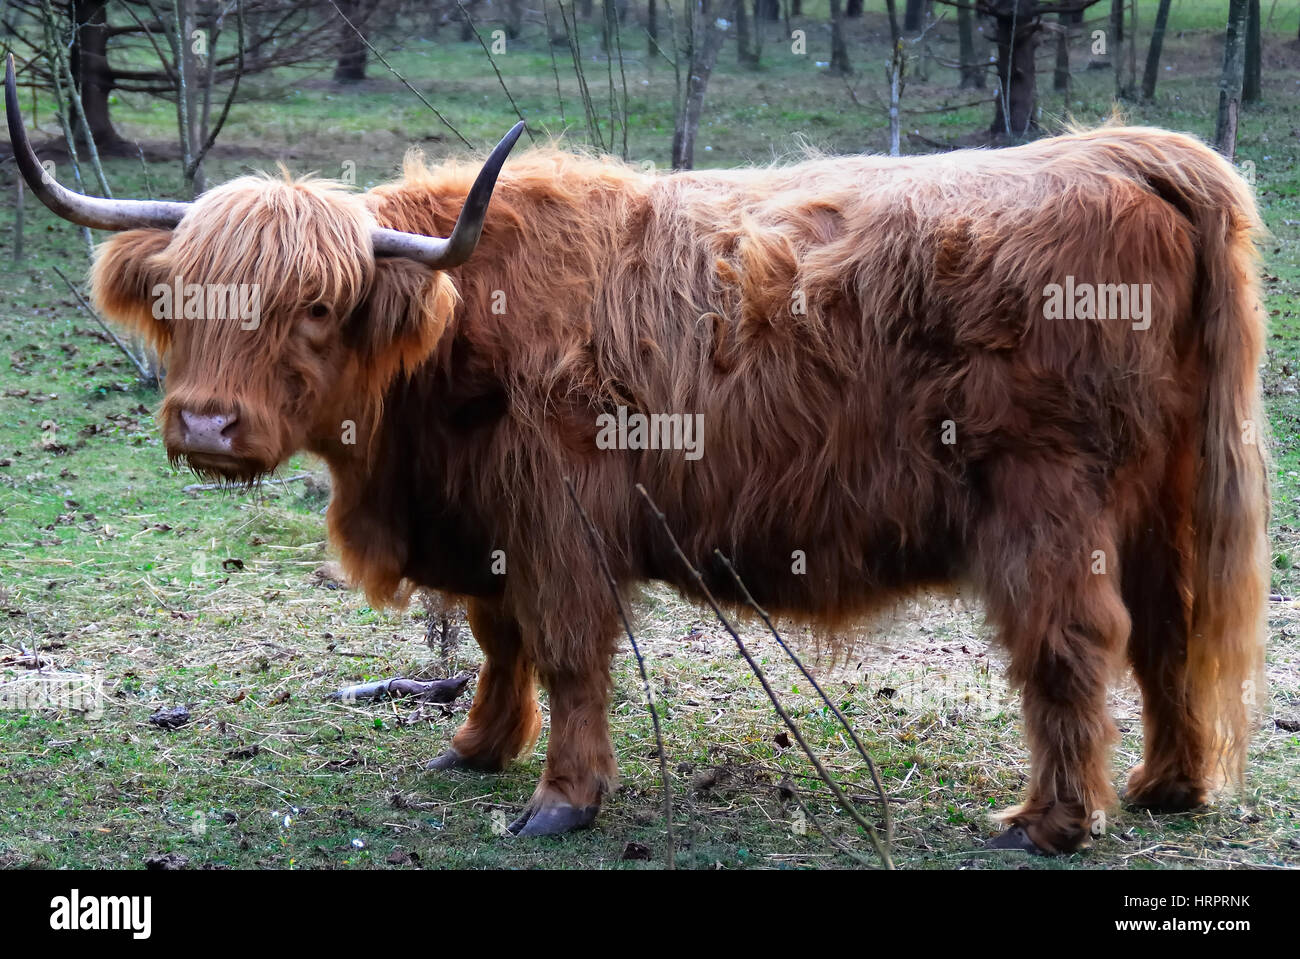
column 390, row 515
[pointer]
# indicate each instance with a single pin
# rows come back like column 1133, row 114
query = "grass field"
column 217, row 600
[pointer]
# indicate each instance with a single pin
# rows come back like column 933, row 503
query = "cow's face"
column 277, row 324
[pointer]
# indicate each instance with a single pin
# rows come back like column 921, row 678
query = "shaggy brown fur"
column 1101, row 487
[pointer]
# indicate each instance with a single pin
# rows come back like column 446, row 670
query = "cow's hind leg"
column 504, row 720
column 1047, row 560
column 1174, row 774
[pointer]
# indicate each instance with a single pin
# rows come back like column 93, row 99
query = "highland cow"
column 882, row 383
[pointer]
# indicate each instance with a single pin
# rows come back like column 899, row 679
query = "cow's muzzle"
column 208, row 432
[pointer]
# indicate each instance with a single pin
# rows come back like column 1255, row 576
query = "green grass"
column 108, row 565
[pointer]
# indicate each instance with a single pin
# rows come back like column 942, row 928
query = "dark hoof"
column 1175, row 798
column 1015, row 838
column 551, row 820
column 448, row 760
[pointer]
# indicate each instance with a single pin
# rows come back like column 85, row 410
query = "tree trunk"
column 1131, row 86
column 1252, row 82
column 745, row 53
column 255, row 39
column 1230, row 82
column 652, row 25
column 839, row 49
column 91, row 73
column 559, row 29
column 853, row 8
column 796, row 8
column 608, row 27
column 914, row 15
column 972, row 71
column 1017, row 99
column 1061, row 77
column 514, row 18
column 1151, row 74
column 466, row 24
column 769, row 10
column 189, row 94
column 701, row 61
column 351, row 65
column 1116, row 49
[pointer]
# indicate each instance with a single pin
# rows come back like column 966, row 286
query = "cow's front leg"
column 580, row 764
column 504, row 720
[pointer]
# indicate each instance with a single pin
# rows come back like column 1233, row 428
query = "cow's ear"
column 124, row 281
column 398, row 324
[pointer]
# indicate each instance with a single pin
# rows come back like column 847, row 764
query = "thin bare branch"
column 882, row 850
column 473, row 28
column 857, row 743
column 599, row 548
column 393, row 70
column 145, row 376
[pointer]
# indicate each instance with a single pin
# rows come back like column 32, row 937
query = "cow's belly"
column 830, row 574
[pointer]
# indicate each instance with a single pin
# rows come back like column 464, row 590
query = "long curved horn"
column 93, row 211
column 444, row 253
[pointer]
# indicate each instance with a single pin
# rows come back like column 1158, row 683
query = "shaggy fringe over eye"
column 301, row 240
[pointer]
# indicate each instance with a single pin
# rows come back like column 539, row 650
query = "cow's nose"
column 208, row 432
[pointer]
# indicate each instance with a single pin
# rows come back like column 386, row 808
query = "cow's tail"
column 1229, row 569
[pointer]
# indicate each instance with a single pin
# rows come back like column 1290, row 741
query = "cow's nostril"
column 208, row 432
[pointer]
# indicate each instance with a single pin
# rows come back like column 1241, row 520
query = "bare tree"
column 1151, row 73
column 1061, row 76
column 972, row 69
column 1017, row 39
column 89, row 58
column 1230, row 82
column 1017, row 25
column 127, row 45
column 914, row 14
column 703, row 43
column 354, row 19
column 746, row 49
column 1252, row 81
column 514, row 19
column 1116, row 46
column 839, row 49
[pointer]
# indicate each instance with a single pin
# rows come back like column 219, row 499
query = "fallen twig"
column 434, row 691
